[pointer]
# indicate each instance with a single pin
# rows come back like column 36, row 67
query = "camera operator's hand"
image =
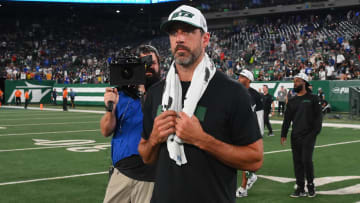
column 164, row 125
column 111, row 94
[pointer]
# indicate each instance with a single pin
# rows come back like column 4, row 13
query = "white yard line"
column 54, row 178
column 51, row 114
column 54, row 132
column 53, row 147
column 335, row 125
column 53, row 117
column 319, row 146
column 105, row 172
column 52, row 109
column 67, row 123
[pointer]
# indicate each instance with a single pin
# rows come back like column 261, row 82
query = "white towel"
column 172, row 100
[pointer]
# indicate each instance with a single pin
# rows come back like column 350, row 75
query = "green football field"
column 55, row 156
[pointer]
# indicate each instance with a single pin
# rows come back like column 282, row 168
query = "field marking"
column 105, row 172
column 54, row 178
column 54, row 117
column 318, row 146
column 2, row 128
column 51, row 109
column 25, row 114
column 52, row 147
column 54, row 132
column 67, row 123
column 335, row 125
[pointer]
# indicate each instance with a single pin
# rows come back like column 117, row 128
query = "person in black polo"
column 269, row 107
column 198, row 124
column 304, row 111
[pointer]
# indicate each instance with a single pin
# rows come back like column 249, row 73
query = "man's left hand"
column 189, row 129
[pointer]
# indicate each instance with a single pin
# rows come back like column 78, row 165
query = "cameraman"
column 131, row 180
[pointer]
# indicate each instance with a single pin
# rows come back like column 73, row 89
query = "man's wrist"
column 204, row 142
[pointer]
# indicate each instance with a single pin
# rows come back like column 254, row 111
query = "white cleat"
column 241, row 192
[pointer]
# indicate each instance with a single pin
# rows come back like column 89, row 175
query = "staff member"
column 1, row 96
column 27, row 97
column 18, row 97
column 131, row 181
column 249, row 177
column 65, row 95
column 304, row 111
column 72, row 97
column 268, row 105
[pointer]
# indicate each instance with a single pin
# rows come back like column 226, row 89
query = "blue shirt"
column 129, row 118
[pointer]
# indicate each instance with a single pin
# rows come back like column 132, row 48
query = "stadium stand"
column 324, row 46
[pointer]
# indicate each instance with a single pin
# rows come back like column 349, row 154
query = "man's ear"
column 206, row 39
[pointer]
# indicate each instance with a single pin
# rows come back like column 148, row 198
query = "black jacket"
column 305, row 113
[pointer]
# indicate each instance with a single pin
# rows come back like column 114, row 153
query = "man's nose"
column 180, row 36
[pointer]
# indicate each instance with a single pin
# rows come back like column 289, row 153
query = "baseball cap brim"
column 302, row 79
column 165, row 26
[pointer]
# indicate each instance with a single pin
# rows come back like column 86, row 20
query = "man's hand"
column 189, row 129
column 111, row 95
column 164, row 125
column 283, row 141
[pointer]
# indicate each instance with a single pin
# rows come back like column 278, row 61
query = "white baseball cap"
column 186, row 14
column 302, row 76
column 247, row 74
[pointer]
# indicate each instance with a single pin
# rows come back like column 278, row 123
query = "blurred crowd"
column 325, row 47
column 229, row 5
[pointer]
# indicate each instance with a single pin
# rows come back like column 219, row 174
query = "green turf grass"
column 35, row 163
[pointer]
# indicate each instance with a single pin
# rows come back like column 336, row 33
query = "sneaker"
column 251, row 181
column 311, row 190
column 298, row 193
column 241, row 192
column 271, row 135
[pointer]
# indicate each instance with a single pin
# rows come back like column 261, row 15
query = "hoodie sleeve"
column 317, row 115
column 287, row 120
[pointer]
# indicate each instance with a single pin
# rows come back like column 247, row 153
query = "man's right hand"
column 111, row 94
column 164, row 125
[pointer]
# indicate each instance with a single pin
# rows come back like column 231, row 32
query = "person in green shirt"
column 271, row 73
column 256, row 72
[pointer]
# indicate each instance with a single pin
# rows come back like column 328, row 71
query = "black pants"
column 73, row 102
column 18, row 101
column 302, row 151
column 65, row 104
column 26, row 103
column 267, row 121
column 281, row 107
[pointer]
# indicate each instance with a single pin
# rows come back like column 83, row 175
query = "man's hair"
column 266, row 86
column 147, row 49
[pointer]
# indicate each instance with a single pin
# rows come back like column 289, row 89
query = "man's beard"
column 150, row 80
column 182, row 60
column 298, row 88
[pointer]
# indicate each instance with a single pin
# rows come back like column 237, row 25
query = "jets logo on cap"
column 183, row 14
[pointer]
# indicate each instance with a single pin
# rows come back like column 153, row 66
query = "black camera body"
column 129, row 70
